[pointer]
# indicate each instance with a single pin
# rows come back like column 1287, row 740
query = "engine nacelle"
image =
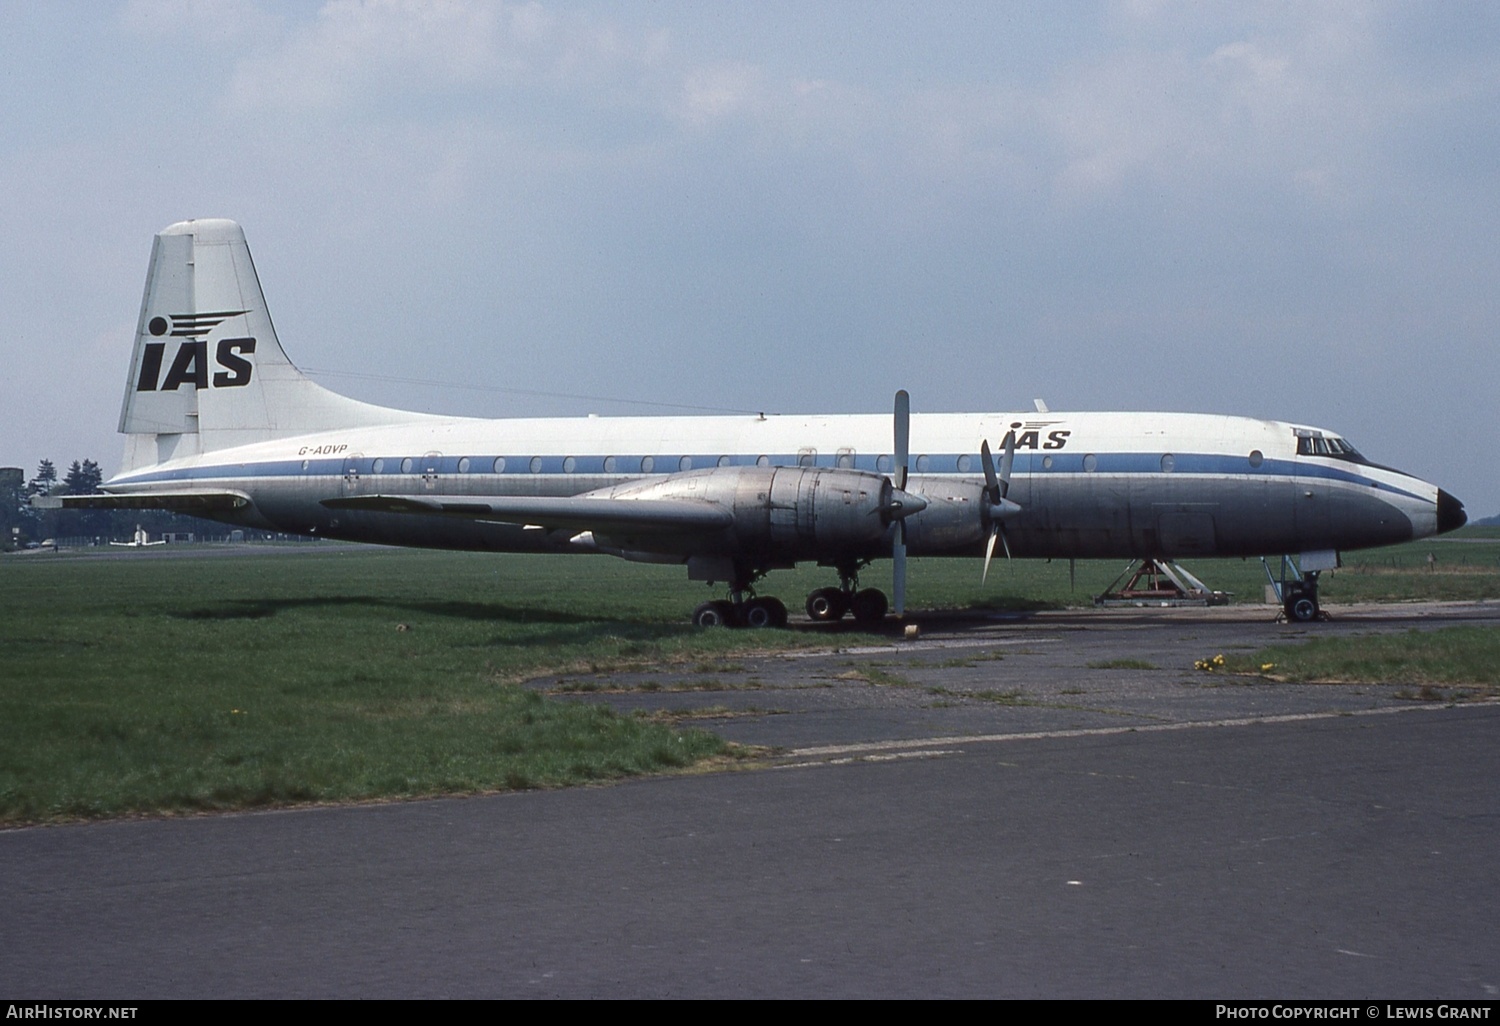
column 781, row 514
column 954, row 520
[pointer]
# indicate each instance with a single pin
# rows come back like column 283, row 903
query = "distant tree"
column 46, row 478
column 82, row 478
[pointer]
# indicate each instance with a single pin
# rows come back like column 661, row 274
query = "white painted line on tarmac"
column 917, row 646
column 1246, row 721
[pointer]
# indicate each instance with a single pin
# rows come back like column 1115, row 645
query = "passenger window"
column 1257, row 457
column 406, row 465
column 647, row 464
column 1168, row 463
column 609, row 464
column 378, row 467
column 569, row 465
column 536, row 464
column 1090, row 463
column 724, row 461
column 884, row 464
column 762, row 461
column 964, row 463
column 499, row 464
column 463, row 465
column 923, row 462
column 686, row 463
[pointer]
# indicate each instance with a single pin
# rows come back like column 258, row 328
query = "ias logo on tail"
column 189, row 364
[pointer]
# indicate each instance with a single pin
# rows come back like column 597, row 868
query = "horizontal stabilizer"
column 665, row 515
column 179, row 502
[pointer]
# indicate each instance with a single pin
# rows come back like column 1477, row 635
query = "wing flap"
column 581, row 514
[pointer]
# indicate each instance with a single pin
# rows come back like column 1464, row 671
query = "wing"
column 576, row 514
column 180, row 502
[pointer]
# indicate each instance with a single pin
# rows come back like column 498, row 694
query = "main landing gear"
column 744, row 608
column 869, row 605
column 761, row 611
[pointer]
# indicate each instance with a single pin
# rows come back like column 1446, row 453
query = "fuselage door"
column 351, row 483
column 430, row 464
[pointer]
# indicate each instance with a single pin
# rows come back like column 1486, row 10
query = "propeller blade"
column 991, row 482
column 996, row 485
column 898, row 570
column 1006, row 461
column 903, row 437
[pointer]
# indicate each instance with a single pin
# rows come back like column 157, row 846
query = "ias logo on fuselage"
column 1029, row 434
column 189, row 364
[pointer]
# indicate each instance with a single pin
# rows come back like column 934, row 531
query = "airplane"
column 140, row 540
column 219, row 423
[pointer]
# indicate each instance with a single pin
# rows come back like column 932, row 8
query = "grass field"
column 143, row 684
column 149, row 684
column 1451, row 656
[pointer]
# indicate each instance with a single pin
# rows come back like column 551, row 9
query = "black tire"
column 761, row 613
column 1302, row 609
column 778, row 611
column 827, row 605
column 714, row 614
column 870, row 606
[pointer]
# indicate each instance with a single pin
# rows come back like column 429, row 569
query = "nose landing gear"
column 1298, row 592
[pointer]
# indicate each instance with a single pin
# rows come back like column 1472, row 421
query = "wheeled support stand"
column 1159, row 582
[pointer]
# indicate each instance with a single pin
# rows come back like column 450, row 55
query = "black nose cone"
column 1451, row 515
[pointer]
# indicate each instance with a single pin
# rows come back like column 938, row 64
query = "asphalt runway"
column 1001, row 809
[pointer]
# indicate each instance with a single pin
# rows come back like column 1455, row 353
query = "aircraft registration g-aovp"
column 219, row 423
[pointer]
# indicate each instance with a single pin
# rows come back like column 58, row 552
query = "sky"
column 1280, row 210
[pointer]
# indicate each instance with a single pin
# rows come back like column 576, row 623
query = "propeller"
column 902, row 429
column 998, row 508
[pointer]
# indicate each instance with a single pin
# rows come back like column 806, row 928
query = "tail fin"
column 208, row 372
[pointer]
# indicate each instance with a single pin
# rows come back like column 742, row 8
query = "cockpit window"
column 1339, row 447
column 1312, row 444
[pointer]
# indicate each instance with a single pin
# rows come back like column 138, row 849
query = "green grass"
column 144, row 685
column 155, row 685
column 1452, row 655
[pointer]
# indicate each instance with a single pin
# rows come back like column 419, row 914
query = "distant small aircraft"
column 139, row 540
column 219, row 423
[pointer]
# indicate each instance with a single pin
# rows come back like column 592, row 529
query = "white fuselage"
column 1089, row 484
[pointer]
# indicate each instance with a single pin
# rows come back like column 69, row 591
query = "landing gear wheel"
column 827, row 605
column 870, row 606
column 714, row 614
column 765, row 612
column 1301, row 609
